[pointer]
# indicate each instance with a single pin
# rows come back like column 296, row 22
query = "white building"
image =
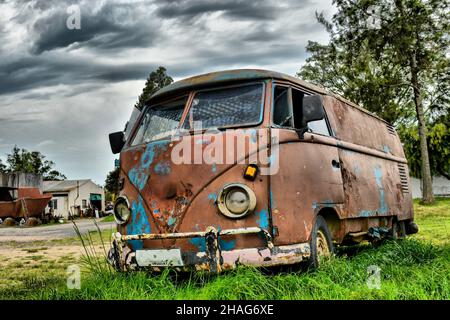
column 441, row 187
column 72, row 197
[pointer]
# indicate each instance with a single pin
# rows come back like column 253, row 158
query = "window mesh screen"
column 226, row 107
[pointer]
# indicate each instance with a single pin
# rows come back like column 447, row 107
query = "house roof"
column 63, row 186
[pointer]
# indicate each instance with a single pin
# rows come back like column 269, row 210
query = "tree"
column 112, row 181
column 2, row 167
column 401, row 59
column 21, row 160
column 156, row 80
column 438, row 145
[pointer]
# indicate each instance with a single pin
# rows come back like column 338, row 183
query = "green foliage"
column 410, row 269
column 22, row 160
column 438, row 146
column 415, row 268
column 394, row 62
column 156, row 80
column 2, row 166
column 112, row 181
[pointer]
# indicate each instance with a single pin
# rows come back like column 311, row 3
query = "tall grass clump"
column 409, row 269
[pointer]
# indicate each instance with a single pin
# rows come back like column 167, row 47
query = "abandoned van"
column 257, row 168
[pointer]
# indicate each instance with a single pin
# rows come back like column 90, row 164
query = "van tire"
column 321, row 243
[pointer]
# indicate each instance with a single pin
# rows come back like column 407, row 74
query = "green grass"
column 415, row 268
column 109, row 218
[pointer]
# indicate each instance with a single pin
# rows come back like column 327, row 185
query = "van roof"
column 241, row 75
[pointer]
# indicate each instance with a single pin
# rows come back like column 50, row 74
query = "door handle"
column 335, row 164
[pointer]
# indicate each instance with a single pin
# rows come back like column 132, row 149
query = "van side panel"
column 305, row 183
column 374, row 186
column 352, row 125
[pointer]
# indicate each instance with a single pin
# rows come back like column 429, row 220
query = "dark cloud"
column 113, row 26
column 241, row 9
column 73, row 87
column 44, row 71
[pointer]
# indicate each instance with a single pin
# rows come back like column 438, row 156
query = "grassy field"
column 415, row 268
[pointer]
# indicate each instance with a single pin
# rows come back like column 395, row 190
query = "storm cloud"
column 63, row 90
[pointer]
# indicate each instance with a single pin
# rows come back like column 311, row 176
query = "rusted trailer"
column 254, row 167
column 21, row 198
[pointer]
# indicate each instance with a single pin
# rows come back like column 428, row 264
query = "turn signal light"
column 250, row 172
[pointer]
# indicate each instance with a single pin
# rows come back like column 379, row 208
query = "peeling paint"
column 139, row 223
column 227, row 245
column 162, row 168
column 378, row 177
column 263, row 220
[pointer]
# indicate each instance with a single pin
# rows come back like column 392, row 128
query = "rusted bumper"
column 213, row 259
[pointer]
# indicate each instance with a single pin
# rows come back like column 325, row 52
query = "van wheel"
column 321, row 244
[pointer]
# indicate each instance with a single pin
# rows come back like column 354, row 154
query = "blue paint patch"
column 138, row 177
column 212, row 196
column 367, row 213
column 378, row 177
column 150, row 151
column 171, row 221
column 227, row 245
column 139, row 223
column 386, row 149
column 263, row 220
column 315, row 205
column 272, row 202
column 162, row 168
column 253, row 135
column 214, row 168
column 200, row 243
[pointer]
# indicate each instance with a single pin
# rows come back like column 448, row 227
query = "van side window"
column 282, row 114
column 319, row 126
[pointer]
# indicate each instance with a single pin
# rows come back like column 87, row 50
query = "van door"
column 309, row 176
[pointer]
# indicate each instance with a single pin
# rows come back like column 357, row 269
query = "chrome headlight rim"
column 118, row 218
column 225, row 192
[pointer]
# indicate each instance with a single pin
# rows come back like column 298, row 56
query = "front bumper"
column 213, row 259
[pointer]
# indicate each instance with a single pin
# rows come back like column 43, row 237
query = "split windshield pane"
column 226, row 107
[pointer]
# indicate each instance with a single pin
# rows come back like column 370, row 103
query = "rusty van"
column 253, row 167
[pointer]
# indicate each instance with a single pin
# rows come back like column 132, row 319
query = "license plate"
column 159, row 258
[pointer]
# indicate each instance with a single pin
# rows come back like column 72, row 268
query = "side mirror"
column 117, row 141
column 312, row 109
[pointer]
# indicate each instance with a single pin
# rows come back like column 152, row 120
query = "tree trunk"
column 427, row 186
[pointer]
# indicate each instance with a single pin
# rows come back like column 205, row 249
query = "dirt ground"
column 49, row 243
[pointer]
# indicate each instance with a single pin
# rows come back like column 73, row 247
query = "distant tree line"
column 22, row 160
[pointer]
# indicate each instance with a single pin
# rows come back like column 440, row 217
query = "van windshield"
column 218, row 108
column 159, row 122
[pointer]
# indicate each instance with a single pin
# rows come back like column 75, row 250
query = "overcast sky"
column 62, row 91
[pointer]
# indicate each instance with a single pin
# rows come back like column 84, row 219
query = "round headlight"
column 236, row 200
column 121, row 210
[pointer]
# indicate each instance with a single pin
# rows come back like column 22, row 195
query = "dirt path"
column 51, row 232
